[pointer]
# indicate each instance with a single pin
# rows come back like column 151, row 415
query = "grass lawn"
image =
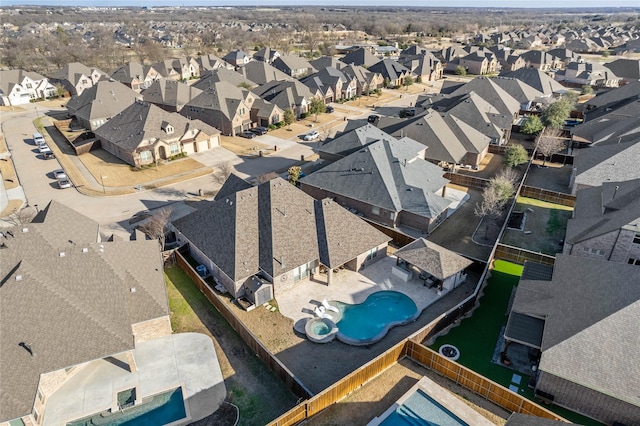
column 476, row 336
column 547, row 224
column 260, row 396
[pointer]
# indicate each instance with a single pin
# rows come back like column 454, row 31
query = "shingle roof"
column 492, row 93
column 604, row 209
column 262, row 72
column 584, row 314
column 73, row 71
column 387, row 174
column 219, row 96
column 274, row 227
column 604, row 163
column 519, row 90
column 362, row 57
column 207, row 78
column 630, row 90
column 147, row 122
column 390, row 69
column 432, row 258
column 170, row 93
column 536, row 79
column 620, row 125
column 625, row 68
column 348, row 142
column 69, row 299
column 104, row 99
column 233, row 184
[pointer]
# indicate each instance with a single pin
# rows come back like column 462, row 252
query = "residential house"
column 187, row 67
column 361, row 57
column 627, row 70
column 540, row 60
column 564, row 56
column 100, row 102
column 237, row 58
column 573, row 311
column 365, row 80
column 607, row 162
column 266, row 54
column 223, row 106
column 212, row 63
column 519, row 91
column 392, row 72
column 19, row 87
column 327, row 61
column 387, row 181
column 292, row 95
column 538, row 80
column 259, row 72
column 136, row 76
column 334, row 84
column 265, row 114
column 144, row 133
column 507, row 60
column 608, row 124
column 76, row 77
column 170, row 95
column 351, row 140
column 223, row 74
column 606, row 223
column 579, row 74
column 85, row 315
column 426, row 66
column 476, row 63
column 168, row 69
column 279, row 234
column 492, row 93
column 583, row 45
column 607, row 101
column 293, row 65
column 444, row 268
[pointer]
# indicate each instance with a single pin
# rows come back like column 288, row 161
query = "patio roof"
column 525, row 329
column 432, row 258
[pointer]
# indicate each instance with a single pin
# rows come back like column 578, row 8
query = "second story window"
column 636, row 239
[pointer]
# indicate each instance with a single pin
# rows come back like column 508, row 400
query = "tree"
column 488, row 206
column 21, row 217
column 515, row 155
column 556, row 113
column 408, row 81
column 155, row 226
column 316, row 107
column 504, row 184
column 587, row 90
column 461, row 71
column 532, row 125
column 294, row 174
column 387, row 82
column 60, row 90
column 419, row 79
column 549, row 143
column 289, row 117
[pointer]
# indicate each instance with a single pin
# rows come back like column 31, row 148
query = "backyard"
column 543, row 226
column 477, row 336
column 251, row 386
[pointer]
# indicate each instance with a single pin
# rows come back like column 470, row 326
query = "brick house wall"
column 151, row 329
column 588, row 401
column 614, row 246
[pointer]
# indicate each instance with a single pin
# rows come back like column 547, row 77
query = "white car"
column 44, row 149
column 311, row 135
column 59, row 174
column 64, row 183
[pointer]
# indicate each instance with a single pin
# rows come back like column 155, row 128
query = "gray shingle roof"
column 102, row 100
column 611, row 97
column 69, row 299
column 233, row 184
column 386, row 174
column 274, row 227
column 536, row 79
column 604, row 209
column 361, row 57
column 146, row 122
column 207, row 79
column 604, row 163
column 492, row 93
column 261, row 73
column 73, row 71
column 625, row 68
column 620, row 125
column 585, row 311
column 519, row 90
column 347, row 143
column 171, row 93
column 436, row 260
column 390, row 69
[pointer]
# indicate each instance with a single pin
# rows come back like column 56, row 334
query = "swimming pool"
column 160, row 409
column 420, row 409
column 369, row 321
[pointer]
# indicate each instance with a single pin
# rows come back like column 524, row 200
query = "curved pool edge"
column 360, row 342
column 321, row 338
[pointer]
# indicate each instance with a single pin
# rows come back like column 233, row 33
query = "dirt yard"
column 553, row 176
column 243, row 146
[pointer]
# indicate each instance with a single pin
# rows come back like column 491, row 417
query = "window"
column 302, row 271
column 636, row 239
column 593, row 251
column 174, row 149
column 28, row 85
column 633, row 261
column 275, row 119
column 375, row 210
column 372, row 253
column 145, row 156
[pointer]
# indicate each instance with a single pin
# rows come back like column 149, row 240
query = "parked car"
column 247, row 134
column 64, row 183
column 44, row 149
column 48, row 155
column 410, row 112
column 59, row 174
column 311, row 135
column 329, row 109
column 373, row 118
column 38, row 139
column 260, row 130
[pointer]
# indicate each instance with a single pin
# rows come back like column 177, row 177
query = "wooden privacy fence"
column 547, row 195
column 282, row 372
column 466, row 180
column 476, row 383
column 519, row 255
column 342, row 387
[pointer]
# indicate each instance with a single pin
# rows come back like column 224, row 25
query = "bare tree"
column 224, row 171
column 549, row 143
column 266, row 177
column 155, row 226
column 488, row 207
column 21, row 217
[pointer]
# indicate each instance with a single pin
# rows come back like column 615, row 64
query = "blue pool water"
column 157, row 410
column 422, row 410
column 369, row 321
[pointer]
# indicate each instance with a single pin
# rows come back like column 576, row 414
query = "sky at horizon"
column 583, row 4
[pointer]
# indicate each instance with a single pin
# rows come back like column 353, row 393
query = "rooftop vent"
column 25, row 230
column 85, row 250
column 18, row 277
column 132, row 290
column 62, row 254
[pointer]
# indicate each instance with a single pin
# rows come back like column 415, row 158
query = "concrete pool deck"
column 351, row 287
column 186, row 359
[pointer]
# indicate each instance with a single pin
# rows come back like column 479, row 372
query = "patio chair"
column 329, row 307
column 319, row 311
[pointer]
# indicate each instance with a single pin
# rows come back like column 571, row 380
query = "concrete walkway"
column 187, row 359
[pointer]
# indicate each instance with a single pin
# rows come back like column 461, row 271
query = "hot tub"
column 321, row 330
